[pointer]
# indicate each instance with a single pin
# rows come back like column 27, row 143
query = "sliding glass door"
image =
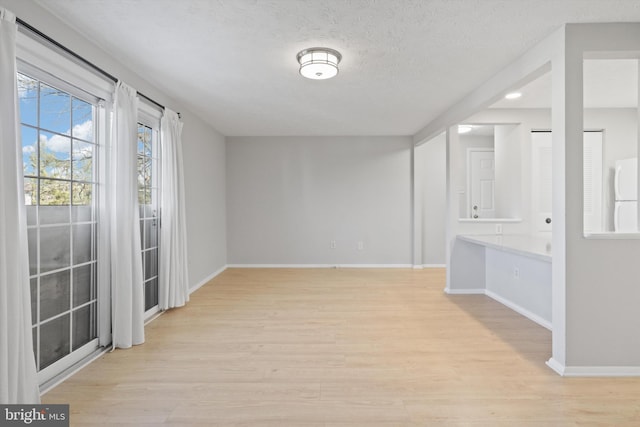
column 148, row 179
column 59, row 162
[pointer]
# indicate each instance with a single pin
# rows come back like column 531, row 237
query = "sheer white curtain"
column 18, row 375
column 174, row 279
column 127, row 309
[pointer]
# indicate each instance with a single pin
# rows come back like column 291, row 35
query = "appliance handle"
column 616, row 213
column 616, row 182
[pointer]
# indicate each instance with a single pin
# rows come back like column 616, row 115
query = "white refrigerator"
column 625, row 213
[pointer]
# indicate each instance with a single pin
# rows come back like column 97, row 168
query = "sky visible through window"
column 64, row 139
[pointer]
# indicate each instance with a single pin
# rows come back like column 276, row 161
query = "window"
column 59, row 163
column 148, row 178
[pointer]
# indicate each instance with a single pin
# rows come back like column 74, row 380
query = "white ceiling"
column 608, row 83
column 404, row 61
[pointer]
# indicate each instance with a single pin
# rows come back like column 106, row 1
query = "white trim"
column 612, row 236
column 40, row 54
column 490, row 220
column 558, row 367
column 434, row 265
column 320, row 266
column 207, row 279
column 464, row 291
column 593, row 371
column 519, row 309
column 513, row 306
column 418, row 266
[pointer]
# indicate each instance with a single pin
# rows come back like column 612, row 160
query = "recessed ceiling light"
column 319, row 63
column 464, row 128
column 513, row 95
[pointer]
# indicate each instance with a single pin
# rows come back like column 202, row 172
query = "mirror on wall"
column 610, row 173
column 490, row 171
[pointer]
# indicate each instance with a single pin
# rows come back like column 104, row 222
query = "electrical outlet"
column 498, row 228
column 360, row 246
column 333, row 244
column 516, row 272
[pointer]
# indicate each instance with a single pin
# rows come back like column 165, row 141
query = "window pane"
column 82, row 326
column 29, row 150
column 150, row 294
column 82, row 161
column 82, row 194
column 148, row 148
column 82, row 243
column 54, row 294
column 82, row 120
column 81, row 213
column 34, row 300
column 55, row 156
column 54, row 192
column 54, row 341
column 82, row 284
column 32, row 236
column 28, row 95
column 31, row 198
column 54, row 214
column 140, row 139
column 54, row 248
column 55, row 110
column 150, row 264
column 150, row 233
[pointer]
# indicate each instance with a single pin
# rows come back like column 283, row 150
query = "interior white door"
column 482, row 182
column 542, row 180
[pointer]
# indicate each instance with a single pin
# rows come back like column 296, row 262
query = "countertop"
column 532, row 246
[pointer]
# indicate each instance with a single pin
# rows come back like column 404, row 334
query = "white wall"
column 205, row 188
column 203, row 146
column 289, row 197
column 434, row 201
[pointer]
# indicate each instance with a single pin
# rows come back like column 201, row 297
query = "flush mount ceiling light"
column 319, row 63
column 513, row 95
column 464, row 128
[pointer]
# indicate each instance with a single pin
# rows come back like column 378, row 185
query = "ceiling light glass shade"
column 319, row 63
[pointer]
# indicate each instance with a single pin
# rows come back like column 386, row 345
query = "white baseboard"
column 518, row 309
column 320, row 266
column 556, row 366
column 593, row 371
column 434, row 265
column 206, row 279
column 464, row 291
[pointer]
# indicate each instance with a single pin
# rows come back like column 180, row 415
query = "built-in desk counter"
column 512, row 269
column 537, row 247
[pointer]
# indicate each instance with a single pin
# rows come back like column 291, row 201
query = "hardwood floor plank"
column 340, row 348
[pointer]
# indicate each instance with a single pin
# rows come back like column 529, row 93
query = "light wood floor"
column 340, row 348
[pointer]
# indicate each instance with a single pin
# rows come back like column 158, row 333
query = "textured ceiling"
column 404, row 61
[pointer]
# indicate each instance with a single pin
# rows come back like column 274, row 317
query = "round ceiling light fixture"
column 319, row 63
column 513, row 95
